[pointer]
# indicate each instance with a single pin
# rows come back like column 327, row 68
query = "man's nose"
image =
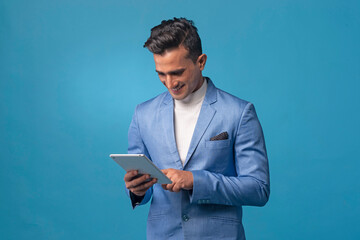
column 170, row 82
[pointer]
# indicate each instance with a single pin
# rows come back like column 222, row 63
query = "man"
column 208, row 142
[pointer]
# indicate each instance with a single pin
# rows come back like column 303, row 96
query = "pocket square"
column 221, row 136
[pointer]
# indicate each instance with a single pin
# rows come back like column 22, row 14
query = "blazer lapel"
column 207, row 113
column 166, row 115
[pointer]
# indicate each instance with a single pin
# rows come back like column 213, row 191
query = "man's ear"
column 201, row 61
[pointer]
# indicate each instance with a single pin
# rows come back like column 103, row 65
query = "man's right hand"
column 138, row 184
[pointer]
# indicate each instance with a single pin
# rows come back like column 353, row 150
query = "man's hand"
column 138, row 184
column 180, row 180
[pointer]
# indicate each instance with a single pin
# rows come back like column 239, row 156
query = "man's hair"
column 173, row 33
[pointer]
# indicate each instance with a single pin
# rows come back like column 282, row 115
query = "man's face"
column 180, row 75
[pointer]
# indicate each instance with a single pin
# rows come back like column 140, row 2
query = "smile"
column 178, row 88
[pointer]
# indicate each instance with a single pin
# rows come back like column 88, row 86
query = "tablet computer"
column 141, row 163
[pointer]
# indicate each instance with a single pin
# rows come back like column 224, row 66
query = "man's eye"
column 177, row 73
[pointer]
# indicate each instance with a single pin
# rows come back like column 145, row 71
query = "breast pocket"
column 218, row 144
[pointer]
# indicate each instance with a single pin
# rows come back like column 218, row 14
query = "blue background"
column 72, row 72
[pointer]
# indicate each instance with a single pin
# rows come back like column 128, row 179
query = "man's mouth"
column 177, row 88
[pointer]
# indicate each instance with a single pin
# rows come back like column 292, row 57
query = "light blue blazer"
column 228, row 174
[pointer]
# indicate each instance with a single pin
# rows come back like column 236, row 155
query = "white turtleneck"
column 186, row 113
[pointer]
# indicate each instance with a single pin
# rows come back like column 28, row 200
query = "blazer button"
column 185, row 218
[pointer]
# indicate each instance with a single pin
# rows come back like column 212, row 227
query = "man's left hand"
column 180, row 180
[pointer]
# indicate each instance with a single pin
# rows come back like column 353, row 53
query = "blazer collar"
column 211, row 93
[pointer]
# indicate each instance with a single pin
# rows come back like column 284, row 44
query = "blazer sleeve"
column 136, row 146
column 251, row 186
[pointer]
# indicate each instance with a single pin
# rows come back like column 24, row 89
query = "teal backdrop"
column 72, row 72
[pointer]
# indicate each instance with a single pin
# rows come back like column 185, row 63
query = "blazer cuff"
column 199, row 194
column 135, row 199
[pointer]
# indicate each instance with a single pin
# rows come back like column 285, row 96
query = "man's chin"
column 178, row 96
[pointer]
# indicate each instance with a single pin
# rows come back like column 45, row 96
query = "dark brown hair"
column 173, row 33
